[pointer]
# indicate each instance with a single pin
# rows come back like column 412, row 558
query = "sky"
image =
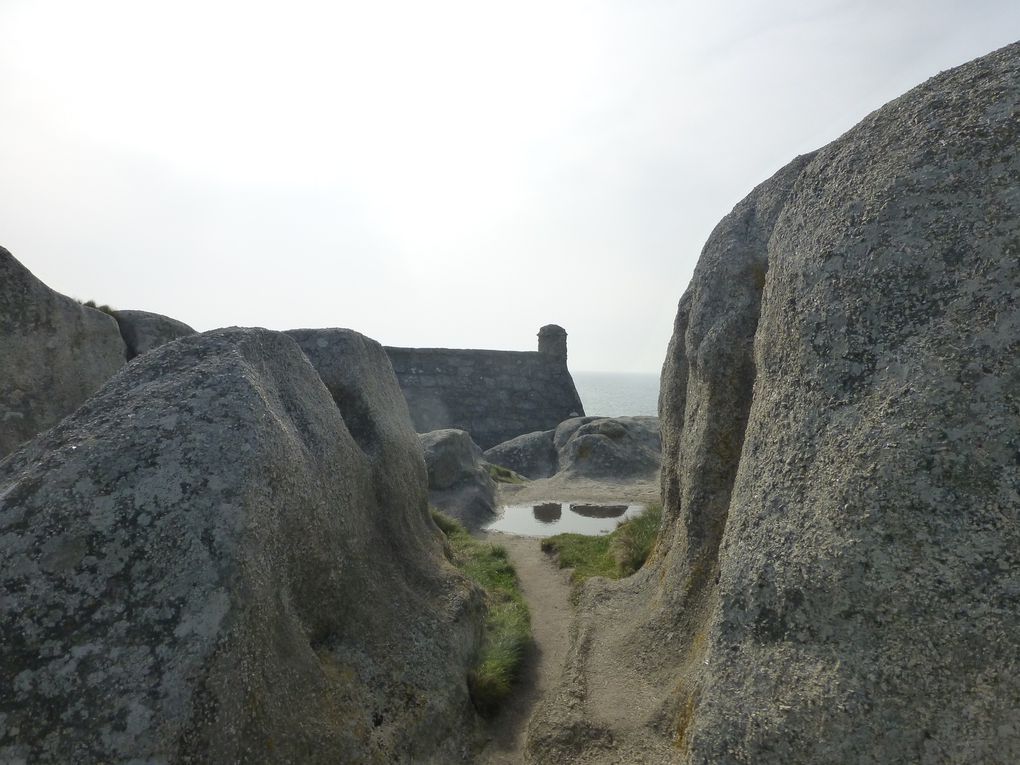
column 436, row 174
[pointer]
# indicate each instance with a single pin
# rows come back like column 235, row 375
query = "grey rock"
column 609, row 447
column 54, row 353
column 531, row 455
column 450, row 455
column 142, row 331
column 566, row 429
column 459, row 483
column 836, row 575
column 599, row 448
column 209, row 562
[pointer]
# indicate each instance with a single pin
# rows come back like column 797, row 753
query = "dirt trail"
column 547, row 591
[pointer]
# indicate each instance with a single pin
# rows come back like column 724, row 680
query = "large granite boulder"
column 211, row 561
column 459, row 483
column 142, row 331
column 597, row 448
column 54, row 353
column 605, row 448
column 836, row 578
column 531, row 455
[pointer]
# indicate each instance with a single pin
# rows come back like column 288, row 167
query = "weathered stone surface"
column 600, row 448
column 210, row 561
column 142, row 331
column 450, row 456
column 493, row 395
column 836, row 578
column 566, row 429
column 531, row 455
column 552, row 340
column 54, row 353
column 609, row 447
column 459, row 484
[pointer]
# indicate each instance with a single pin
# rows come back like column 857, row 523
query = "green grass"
column 507, row 631
column 633, row 540
column 613, row 555
column 588, row 556
column 501, row 474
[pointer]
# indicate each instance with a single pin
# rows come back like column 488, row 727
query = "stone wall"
column 494, row 395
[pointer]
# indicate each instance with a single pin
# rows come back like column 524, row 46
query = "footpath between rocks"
column 547, row 590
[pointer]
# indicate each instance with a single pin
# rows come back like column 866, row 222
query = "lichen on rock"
column 204, row 564
column 836, row 574
column 54, row 353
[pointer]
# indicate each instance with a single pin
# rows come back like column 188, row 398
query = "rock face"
column 531, row 455
column 493, row 395
column 836, row 577
column 602, row 448
column 211, row 561
column 142, row 331
column 54, row 353
column 608, row 447
column 459, row 484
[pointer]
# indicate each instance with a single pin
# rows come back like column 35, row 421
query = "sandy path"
column 546, row 589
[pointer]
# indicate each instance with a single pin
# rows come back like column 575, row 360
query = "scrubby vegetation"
column 500, row 474
column 92, row 304
column 507, row 621
column 613, row 555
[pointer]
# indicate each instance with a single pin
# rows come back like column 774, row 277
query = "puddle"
column 543, row 519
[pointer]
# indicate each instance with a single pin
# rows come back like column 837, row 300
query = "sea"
column 618, row 394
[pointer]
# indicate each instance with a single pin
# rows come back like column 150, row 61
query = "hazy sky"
column 429, row 173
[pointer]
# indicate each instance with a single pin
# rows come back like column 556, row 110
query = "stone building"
column 494, row 395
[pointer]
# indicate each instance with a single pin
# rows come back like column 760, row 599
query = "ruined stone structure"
column 493, row 395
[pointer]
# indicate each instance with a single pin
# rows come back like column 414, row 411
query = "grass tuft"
column 500, row 474
column 633, row 540
column 613, row 555
column 507, row 631
column 588, row 556
column 447, row 524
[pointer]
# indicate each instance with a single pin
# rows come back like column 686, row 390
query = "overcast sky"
column 429, row 173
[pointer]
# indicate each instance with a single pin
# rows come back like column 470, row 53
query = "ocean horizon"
column 618, row 394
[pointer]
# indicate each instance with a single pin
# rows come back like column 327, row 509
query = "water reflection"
column 599, row 511
column 546, row 517
column 548, row 512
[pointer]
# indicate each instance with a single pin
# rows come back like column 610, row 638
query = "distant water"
column 618, row 394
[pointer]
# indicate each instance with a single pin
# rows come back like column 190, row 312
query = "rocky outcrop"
column 493, row 395
column 835, row 579
column 54, row 353
column 531, row 455
column 607, row 448
column 142, row 331
column 211, row 561
column 459, row 483
column 599, row 448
